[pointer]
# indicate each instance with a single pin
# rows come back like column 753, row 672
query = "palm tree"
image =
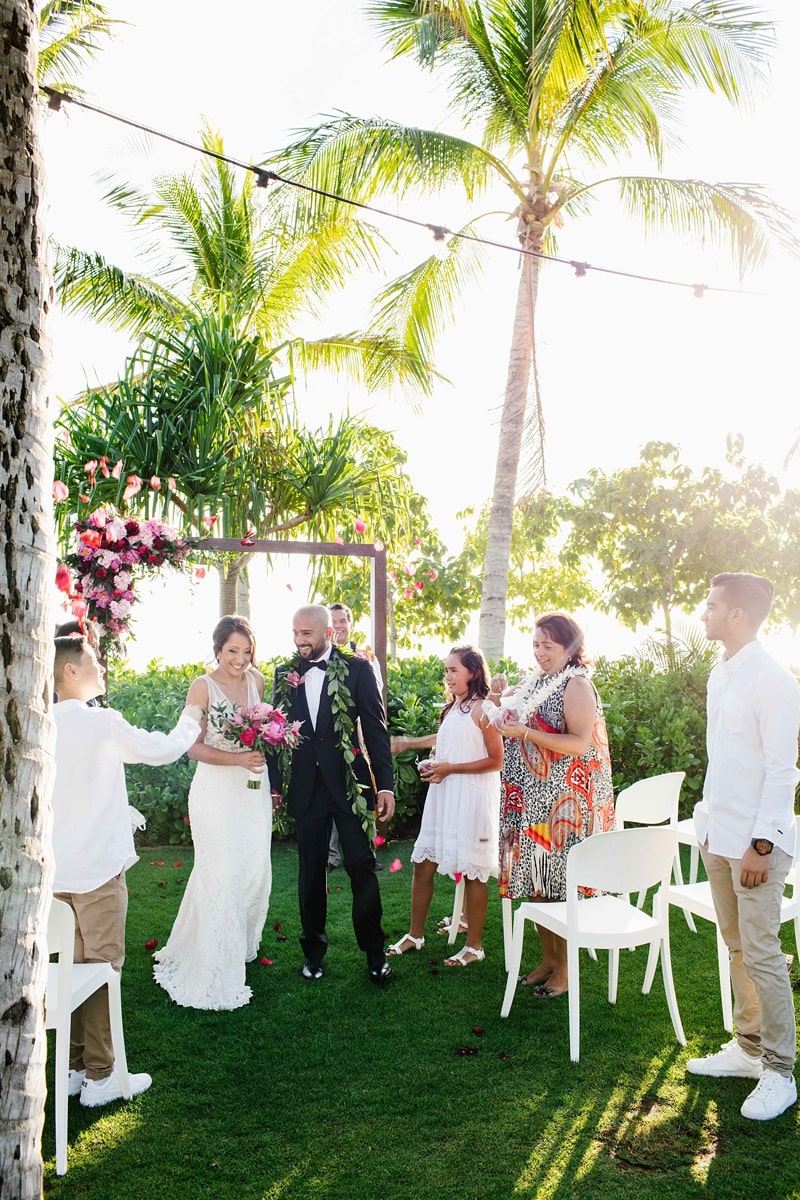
column 558, row 92
column 26, row 613
column 207, row 399
column 71, row 32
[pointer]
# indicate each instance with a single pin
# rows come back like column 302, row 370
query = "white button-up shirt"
column 314, row 680
column 92, row 835
column 753, row 709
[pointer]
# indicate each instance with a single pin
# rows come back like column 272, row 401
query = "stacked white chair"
column 68, row 985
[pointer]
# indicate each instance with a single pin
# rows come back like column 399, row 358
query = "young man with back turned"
column 93, row 844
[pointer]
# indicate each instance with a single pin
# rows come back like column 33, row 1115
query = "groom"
column 317, row 789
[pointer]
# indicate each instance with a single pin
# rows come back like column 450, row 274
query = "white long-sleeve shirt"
column 753, row 709
column 92, row 835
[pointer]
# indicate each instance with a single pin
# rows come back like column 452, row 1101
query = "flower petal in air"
column 134, row 485
column 396, row 865
column 63, row 579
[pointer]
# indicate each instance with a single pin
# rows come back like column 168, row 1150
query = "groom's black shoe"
column 380, row 972
column 312, row 970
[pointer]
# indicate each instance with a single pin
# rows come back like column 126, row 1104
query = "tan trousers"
column 750, row 921
column 99, row 937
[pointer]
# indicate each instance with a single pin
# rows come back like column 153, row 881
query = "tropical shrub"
column 655, row 716
column 656, row 722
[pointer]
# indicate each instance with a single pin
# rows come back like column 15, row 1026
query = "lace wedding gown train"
column 218, row 927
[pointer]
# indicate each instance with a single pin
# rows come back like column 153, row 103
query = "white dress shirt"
column 753, row 709
column 314, row 680
column 92, row 835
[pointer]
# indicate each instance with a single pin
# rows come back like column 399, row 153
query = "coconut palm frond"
column 121, row 299
column 417, row 306
column 71, row 33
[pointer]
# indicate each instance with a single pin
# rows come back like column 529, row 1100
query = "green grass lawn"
column 343, row 1090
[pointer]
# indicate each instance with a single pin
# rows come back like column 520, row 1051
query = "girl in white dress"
column 218, row 927
column 459, row 830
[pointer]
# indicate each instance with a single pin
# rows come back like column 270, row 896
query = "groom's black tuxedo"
column 317, row 792
column 319, row 750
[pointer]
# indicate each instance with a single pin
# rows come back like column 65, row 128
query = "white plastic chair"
column 654, row 801
column 68, row 985
column 696, row 898
column 625, row 860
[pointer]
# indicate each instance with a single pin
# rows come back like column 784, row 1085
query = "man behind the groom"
column 317, row 787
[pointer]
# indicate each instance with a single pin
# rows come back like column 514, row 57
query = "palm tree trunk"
column 27, row 613
column 492, row 626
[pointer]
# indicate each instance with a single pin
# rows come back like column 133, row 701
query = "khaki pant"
column 750, row 921
column 99, row 937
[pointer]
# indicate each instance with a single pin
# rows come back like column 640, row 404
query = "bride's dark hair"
column 479, row 684
column 226, row 626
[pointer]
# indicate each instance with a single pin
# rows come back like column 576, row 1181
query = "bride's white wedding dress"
column 218, row 927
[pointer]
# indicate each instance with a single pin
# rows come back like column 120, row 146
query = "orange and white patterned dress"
column 551, row 801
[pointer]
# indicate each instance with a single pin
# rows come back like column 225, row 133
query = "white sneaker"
column 771, row 1096
column 95, row 1092
column 729, row 1060
column 74, row 1081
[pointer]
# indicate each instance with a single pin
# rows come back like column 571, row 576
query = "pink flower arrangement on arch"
column 111, row 551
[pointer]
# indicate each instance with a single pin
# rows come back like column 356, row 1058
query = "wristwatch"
column 762, row 846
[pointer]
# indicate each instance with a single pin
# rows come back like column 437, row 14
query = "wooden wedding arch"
column 378, row 577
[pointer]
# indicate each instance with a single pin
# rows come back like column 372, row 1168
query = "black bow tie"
column 322, row 663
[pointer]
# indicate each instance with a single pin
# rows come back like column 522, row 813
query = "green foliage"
column 656, row 722
column 660, row 532
column 154, row 700
column 543, row 572
column 415, row 688
column 655, row 712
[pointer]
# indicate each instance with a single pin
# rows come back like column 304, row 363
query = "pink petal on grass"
column 151, row 945
column 478, row 1030
column 396, row 865
column 159, row 863
column 267, row 962
column 177, row 864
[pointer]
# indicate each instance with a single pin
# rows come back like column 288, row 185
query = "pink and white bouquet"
column 260, row 727
column 111, row 551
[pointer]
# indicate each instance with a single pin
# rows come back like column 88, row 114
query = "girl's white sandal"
column 416, row 944
column 459, row 960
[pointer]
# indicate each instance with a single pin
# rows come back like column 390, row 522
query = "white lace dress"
column 219, row 924
column 460, row 823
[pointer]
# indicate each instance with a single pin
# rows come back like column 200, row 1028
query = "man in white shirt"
column 746, row 830
column 93, row 843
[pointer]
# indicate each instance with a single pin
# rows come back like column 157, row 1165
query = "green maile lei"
column 343, row 727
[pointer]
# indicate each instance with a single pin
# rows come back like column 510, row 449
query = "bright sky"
column 622, row 362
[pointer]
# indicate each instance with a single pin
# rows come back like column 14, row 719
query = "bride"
column 218, row 927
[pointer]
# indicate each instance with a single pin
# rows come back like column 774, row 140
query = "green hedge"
column 655, row 718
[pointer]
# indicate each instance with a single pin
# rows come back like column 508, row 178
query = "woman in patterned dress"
column 556, row 780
